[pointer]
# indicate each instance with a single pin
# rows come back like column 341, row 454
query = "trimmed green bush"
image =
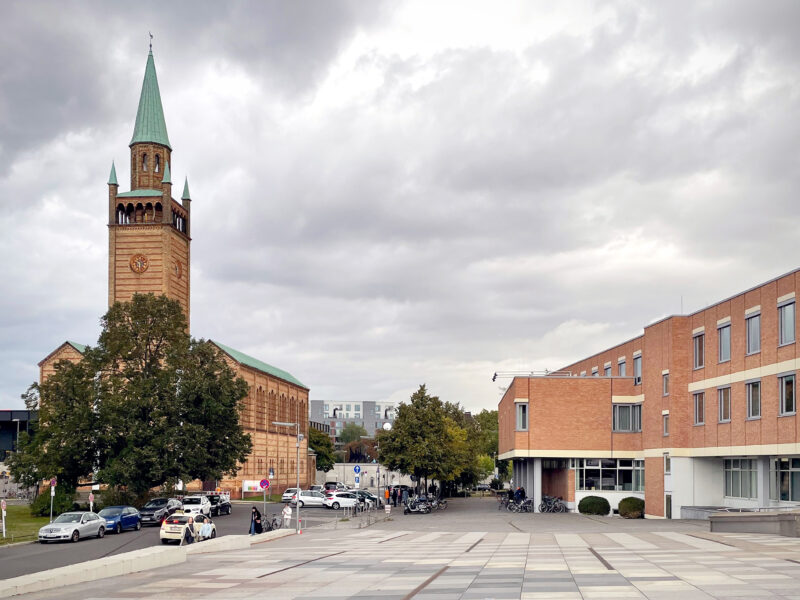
column 594, row 505
column 631, row 508
column 62, row 502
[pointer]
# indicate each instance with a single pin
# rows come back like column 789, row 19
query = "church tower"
column 148, row 230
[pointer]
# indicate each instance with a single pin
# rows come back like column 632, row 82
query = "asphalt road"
column 21, row 559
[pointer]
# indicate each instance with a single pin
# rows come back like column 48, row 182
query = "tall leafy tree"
column 150, row 405
column 351, row 432
column 321, row 444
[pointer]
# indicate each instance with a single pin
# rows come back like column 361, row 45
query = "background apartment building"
column 371, row 415
column 699, row 410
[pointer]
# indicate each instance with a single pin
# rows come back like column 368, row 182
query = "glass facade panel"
column 724, row 343
column 609, row 474
column 786, row 324
column 753, row 329
column 741, row 478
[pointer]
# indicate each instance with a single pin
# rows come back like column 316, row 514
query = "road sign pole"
column 264, row 516
column 52, row 495
column 3, row 508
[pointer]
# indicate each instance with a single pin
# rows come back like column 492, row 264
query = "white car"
column 287, row 495
column 196, row 505
column 309, row 498
column 338, row 499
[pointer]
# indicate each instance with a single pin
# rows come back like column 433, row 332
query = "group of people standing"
column 256, row 526
column 395, row 495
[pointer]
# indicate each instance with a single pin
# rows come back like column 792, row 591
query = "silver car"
column 73, row 526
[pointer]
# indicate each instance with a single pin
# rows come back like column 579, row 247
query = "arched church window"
column 159, row 212
column 149, row 213
column 144, row 162
column 158, row 163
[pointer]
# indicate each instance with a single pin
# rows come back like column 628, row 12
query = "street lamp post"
column 297, row 445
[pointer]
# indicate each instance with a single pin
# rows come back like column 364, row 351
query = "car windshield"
column 69, row 518
column 191, row 500
column 156, row 503
column 213, row 499
column 110, row 512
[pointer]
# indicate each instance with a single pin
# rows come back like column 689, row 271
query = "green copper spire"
column 167, row 177
column 150, row 124
column 112, row 177
column 186, row 195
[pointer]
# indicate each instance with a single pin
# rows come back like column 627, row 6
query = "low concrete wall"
column 129, row 562
column 772, row 523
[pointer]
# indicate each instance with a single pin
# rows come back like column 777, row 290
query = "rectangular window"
column 741, row 479
column 665, row 421
column 665, row 384
column 594, row 372
column 784, row 479
column 699, row 408
column 327, row 407
column 621, row 367
column 667, row 464
column 347, row 407
column 608, row 474
column 724, row 334
column 724, row 404
column 607, row 371
column 786, row 323
column 754, row 400
column 753, row 328
column 522, row 417
column 637, row 370
column 699, row 351
column 786, row 387
column 583, row 373
column 627, row 418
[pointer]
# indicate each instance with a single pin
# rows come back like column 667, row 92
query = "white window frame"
column 750, row 386
column 752, row 345
column 720, row 356
column 721, row 397
column 782, row 381
column 667, row 464
column 699, row 350
column 783, row 309
column 701, row 396
column 665, row 425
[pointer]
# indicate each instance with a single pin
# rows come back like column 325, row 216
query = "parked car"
column 158, row 509
column 119, row 518
column 174, row 527
column 220, row 505
column 482, row 487
column 309, row 498
column 287, row 495
column 367, row 498
column 197, row 505
column 73, row 526
column 317, row 488
column 339, row 499
column 334, row 486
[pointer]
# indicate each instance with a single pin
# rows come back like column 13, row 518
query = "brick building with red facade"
column 699, row 410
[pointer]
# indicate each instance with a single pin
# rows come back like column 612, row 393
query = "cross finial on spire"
column 151, row 41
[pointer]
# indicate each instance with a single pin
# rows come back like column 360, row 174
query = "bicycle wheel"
column 562, row 508
column 542, row 507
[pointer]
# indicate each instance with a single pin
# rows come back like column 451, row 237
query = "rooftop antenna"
column 151, row 41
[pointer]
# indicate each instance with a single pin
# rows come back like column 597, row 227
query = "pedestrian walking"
column 287, row 516
column 394, row 497
column 405, row 496
column 386, row 495
column 255, row 522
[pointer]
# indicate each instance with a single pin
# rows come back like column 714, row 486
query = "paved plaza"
column 474, row 551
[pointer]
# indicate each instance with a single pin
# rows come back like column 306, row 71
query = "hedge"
column 631, row 508
column 594, row 505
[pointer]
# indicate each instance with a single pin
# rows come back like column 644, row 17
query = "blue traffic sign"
column 357, row 469
column 358, row 480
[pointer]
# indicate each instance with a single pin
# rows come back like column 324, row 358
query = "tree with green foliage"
column 351, row 432
column 147, row 405
column 321, row 444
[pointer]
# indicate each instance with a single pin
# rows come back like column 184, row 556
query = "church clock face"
column 139, row 263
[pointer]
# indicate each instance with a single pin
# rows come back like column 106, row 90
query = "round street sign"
column 91, row 497
column 357, row 469
column 264, row 484
column 2, row 505
column 53, row 482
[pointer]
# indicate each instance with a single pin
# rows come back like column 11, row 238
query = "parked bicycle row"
column 519, row 503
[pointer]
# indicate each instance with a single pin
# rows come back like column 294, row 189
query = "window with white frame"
column 724, row 339
column 637, row 370
column 753, row 389
column 665, row 384
column 607, row 371
column 753, row 329
column 784, row 479
column 786, row 390
column 621, row 368
column 700, row 408
column 699, row 342
column 724, row 404
column 665, row 424
column 786, row 323
column 741, row 479
column 627, row 418
column 609, row 474
column 522, row 416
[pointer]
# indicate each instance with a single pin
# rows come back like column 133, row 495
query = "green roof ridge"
column 150, row 125
column 79, row 347
column 112, row 178
column 167, row 176
column 141, row 194
column 257, row 364
column 186, row 195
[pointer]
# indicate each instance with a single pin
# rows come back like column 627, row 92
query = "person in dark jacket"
column 255, row 522
column 394, row 497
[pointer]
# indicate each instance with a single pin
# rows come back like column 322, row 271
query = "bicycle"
column 549, row 504
column 502, row 501
column 274, row 523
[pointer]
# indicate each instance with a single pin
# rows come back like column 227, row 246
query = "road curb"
column 129, row 562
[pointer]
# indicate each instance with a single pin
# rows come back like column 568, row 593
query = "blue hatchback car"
column 118, row 518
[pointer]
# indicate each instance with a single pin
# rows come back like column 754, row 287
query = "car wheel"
column 101, row 533
column 228, row 511
column 118, row 528
column 302, row 504
column 213, row 533
column 335, row 506
column 75, row 536
column 138, row 525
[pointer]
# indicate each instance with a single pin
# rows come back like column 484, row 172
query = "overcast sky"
column 386, row 195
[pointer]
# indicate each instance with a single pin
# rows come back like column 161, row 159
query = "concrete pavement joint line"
column 392, row 538
column 601, row 559
column 425, row 583
column 300, row 564
column 515, row 527
column 475, row 544
column 710, row 539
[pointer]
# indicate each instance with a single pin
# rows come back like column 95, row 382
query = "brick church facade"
column 149, row 251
